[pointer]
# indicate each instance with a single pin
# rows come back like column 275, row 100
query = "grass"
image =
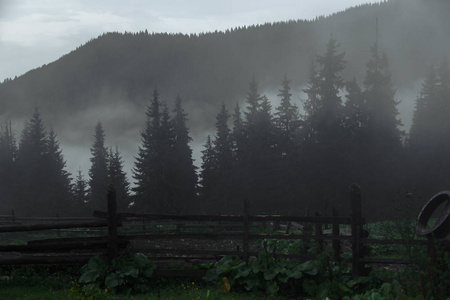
column 167, row 291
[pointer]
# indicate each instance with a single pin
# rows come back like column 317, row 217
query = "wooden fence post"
column 58, row 231
column 431, row 249
column 318, row 232
column 355, row 198
column 112, row 224
column 246, row 232
column 335, row 232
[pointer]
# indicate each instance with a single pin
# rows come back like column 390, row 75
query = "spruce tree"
column 166, row 184
column 287, row 123
column 322, row 135
column 59, row 181
column 324, row 104
column 383, row 123
column 80, row 192
column 185, row 179
column 118, row 179
column 8, row 154
column 428, row 142
column 258, row 151
column 384, row 155
column 224, row 163
column 157, row 188
column 98, row 172
column 287, row 115
column 44, row 183
column 145, row 169
column 208, row 178
column 31, row 197
column 423, row 128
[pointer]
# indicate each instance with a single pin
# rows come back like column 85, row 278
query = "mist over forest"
column 359, row 96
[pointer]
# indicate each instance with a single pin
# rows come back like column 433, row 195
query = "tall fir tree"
column 145, row 169
column 430, row 131
column 44, row 183
column 31, row 198
column 423, row 128
column 98, row 172
column 287, row 121
column 224, row 164
column 258, row 151
column 324, row 104
column 384, row 155
column 157, row 184
column 208, row 178
column 383, row 123
column 59, row 181
column 8, row 154
column 118, row 179
column 80, row 194
column 185, row 176
column 322, row 136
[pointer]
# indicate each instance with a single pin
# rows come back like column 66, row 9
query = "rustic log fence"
column 143, row 233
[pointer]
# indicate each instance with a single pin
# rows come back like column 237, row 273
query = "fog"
column 111, row 78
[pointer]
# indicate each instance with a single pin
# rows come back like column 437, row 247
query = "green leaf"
column 113, row 280
column 141, row 260
column 272, row 288
column 211, row 275
column 242, row 273
column 309, row 268
column 270, row 274
column 283, row 277
column 129, row 271
column 89, row 277
column 295, row 272
column 251, row 283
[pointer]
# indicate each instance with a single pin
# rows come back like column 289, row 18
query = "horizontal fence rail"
column 187, row 238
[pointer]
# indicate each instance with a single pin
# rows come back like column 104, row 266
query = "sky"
column 37, row 32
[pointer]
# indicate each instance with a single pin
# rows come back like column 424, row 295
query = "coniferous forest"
column 285, row 158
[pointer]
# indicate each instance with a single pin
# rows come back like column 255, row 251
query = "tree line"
column 279, row 159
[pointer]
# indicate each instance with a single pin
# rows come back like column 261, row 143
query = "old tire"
column 442, row 227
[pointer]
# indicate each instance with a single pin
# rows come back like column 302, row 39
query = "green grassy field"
column 169, row 291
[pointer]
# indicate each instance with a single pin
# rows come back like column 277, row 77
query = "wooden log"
column 68, row 240
column 355, row 198
column 187, row 252
column 52, row 247
column 60, row 225
column 229, row 218
column 336, row 243
column 113, row 249
column 245, row 238
column 318, row 235
column 393, row 242
column 53, row 258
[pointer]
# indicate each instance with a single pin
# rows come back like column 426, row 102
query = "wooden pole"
column 355, row 198
column 246, row 233
column 318, row 233
column 112, row 224
column 58, row 231
column 335, row 232
column 431, row 249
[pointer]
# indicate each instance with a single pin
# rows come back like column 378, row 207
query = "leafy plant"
column 261, row 274
column 127, row 272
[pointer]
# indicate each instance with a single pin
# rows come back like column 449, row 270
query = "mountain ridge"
column 110, row 78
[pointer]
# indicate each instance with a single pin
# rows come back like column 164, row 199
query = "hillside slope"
column 111, row 77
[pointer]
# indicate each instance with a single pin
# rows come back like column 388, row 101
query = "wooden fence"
column 190, row 238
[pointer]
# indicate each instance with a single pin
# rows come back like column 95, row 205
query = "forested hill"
column 112, row 76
